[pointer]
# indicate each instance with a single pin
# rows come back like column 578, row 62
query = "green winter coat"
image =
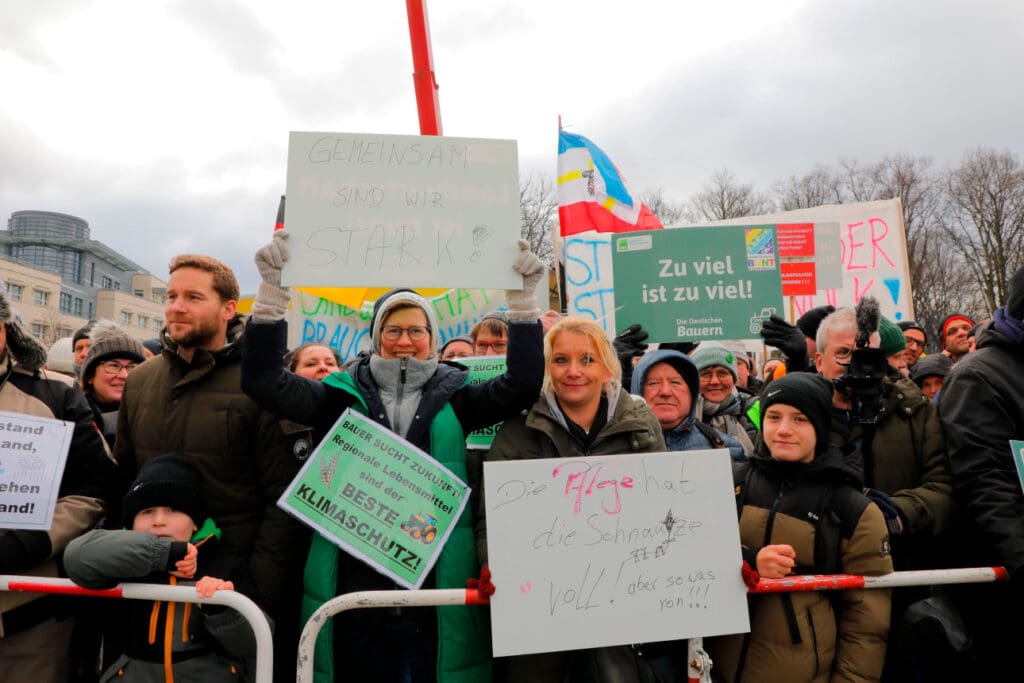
column 906, row 458
column 463, row 633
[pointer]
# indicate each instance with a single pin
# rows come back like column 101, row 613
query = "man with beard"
column 188, row 399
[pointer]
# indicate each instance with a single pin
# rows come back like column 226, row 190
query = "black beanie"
column 810, row 321
column 810, row 394
column 912, row 325
column 82, row 333
column 167, row 480
column 1015, row 297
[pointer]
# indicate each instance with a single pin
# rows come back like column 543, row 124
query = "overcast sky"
column 165, row 123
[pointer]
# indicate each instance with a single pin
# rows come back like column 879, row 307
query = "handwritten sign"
column 392, row 210
column 609, row 550
column 698, row 283
column 481, row 369
column 378, row 497
column 33, row 451
column 872, row 259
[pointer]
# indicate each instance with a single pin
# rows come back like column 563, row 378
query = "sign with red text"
column 872, row 259
column 33, row 451
column 610, row 550
column 378, row 497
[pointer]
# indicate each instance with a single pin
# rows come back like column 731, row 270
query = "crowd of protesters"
column 182, row 448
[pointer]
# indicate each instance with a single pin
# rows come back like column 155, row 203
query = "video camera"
column 866, row 368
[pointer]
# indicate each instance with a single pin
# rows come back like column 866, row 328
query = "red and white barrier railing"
column 148, row 591
column 699, row 664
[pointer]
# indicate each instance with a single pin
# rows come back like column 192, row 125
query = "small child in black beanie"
column 167, row 539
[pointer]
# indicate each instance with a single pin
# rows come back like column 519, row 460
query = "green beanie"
column 893, row 340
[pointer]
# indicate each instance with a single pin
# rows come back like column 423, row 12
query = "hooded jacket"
column 982, row 408
column 809, row 636
column 685, row 436
column 166, row 640
column 245, row 458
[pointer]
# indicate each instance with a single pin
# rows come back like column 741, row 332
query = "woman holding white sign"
column 802, row 511
column 583, row 410
column 401, row 385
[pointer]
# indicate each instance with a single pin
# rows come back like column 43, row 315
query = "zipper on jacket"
column 814, row 642
column 402, row 367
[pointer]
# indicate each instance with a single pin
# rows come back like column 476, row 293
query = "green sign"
column 481, row 369
column 1017, row 447
column 378, row 497
column 697, row 283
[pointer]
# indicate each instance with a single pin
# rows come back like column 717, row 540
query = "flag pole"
column 427, row 103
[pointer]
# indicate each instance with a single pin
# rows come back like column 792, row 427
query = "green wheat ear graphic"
column 623, row 242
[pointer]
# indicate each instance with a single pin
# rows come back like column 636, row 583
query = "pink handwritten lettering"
column 582, row 479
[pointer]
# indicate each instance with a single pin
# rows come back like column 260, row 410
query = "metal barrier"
column 148, row 591
column 698, row 663
column 404, row 598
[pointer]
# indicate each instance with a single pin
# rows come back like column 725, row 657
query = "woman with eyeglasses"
column 402, row 385
column 112, row 355
column 720, row 404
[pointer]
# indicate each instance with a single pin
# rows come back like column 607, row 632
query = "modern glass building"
column 59, row 243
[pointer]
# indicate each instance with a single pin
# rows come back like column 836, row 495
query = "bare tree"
column 668, row 211
column 939, row 281
column 942, row 285
column 725, row 197
column 983, row 219
column 821, row 186
column 538, row 213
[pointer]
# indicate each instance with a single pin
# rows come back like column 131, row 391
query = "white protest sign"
column 610, row 550
column 33, row 451
column 872, row 261
column 401, row 210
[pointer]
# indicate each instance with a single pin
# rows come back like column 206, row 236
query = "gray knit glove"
column 271, row 299
column 522, row 303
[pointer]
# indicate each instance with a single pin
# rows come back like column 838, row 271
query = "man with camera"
column 903, row 453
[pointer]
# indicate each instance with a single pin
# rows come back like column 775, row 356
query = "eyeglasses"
column 498, row 346
column 394, row 332
column 717, row 374
column 114, row 368
column 914, row 342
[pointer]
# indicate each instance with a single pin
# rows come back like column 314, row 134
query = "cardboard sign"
column 610, row 550
column 698, row 283
column 33, row 451
column 378, row 497
column 401, row 210
column 481, row 369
